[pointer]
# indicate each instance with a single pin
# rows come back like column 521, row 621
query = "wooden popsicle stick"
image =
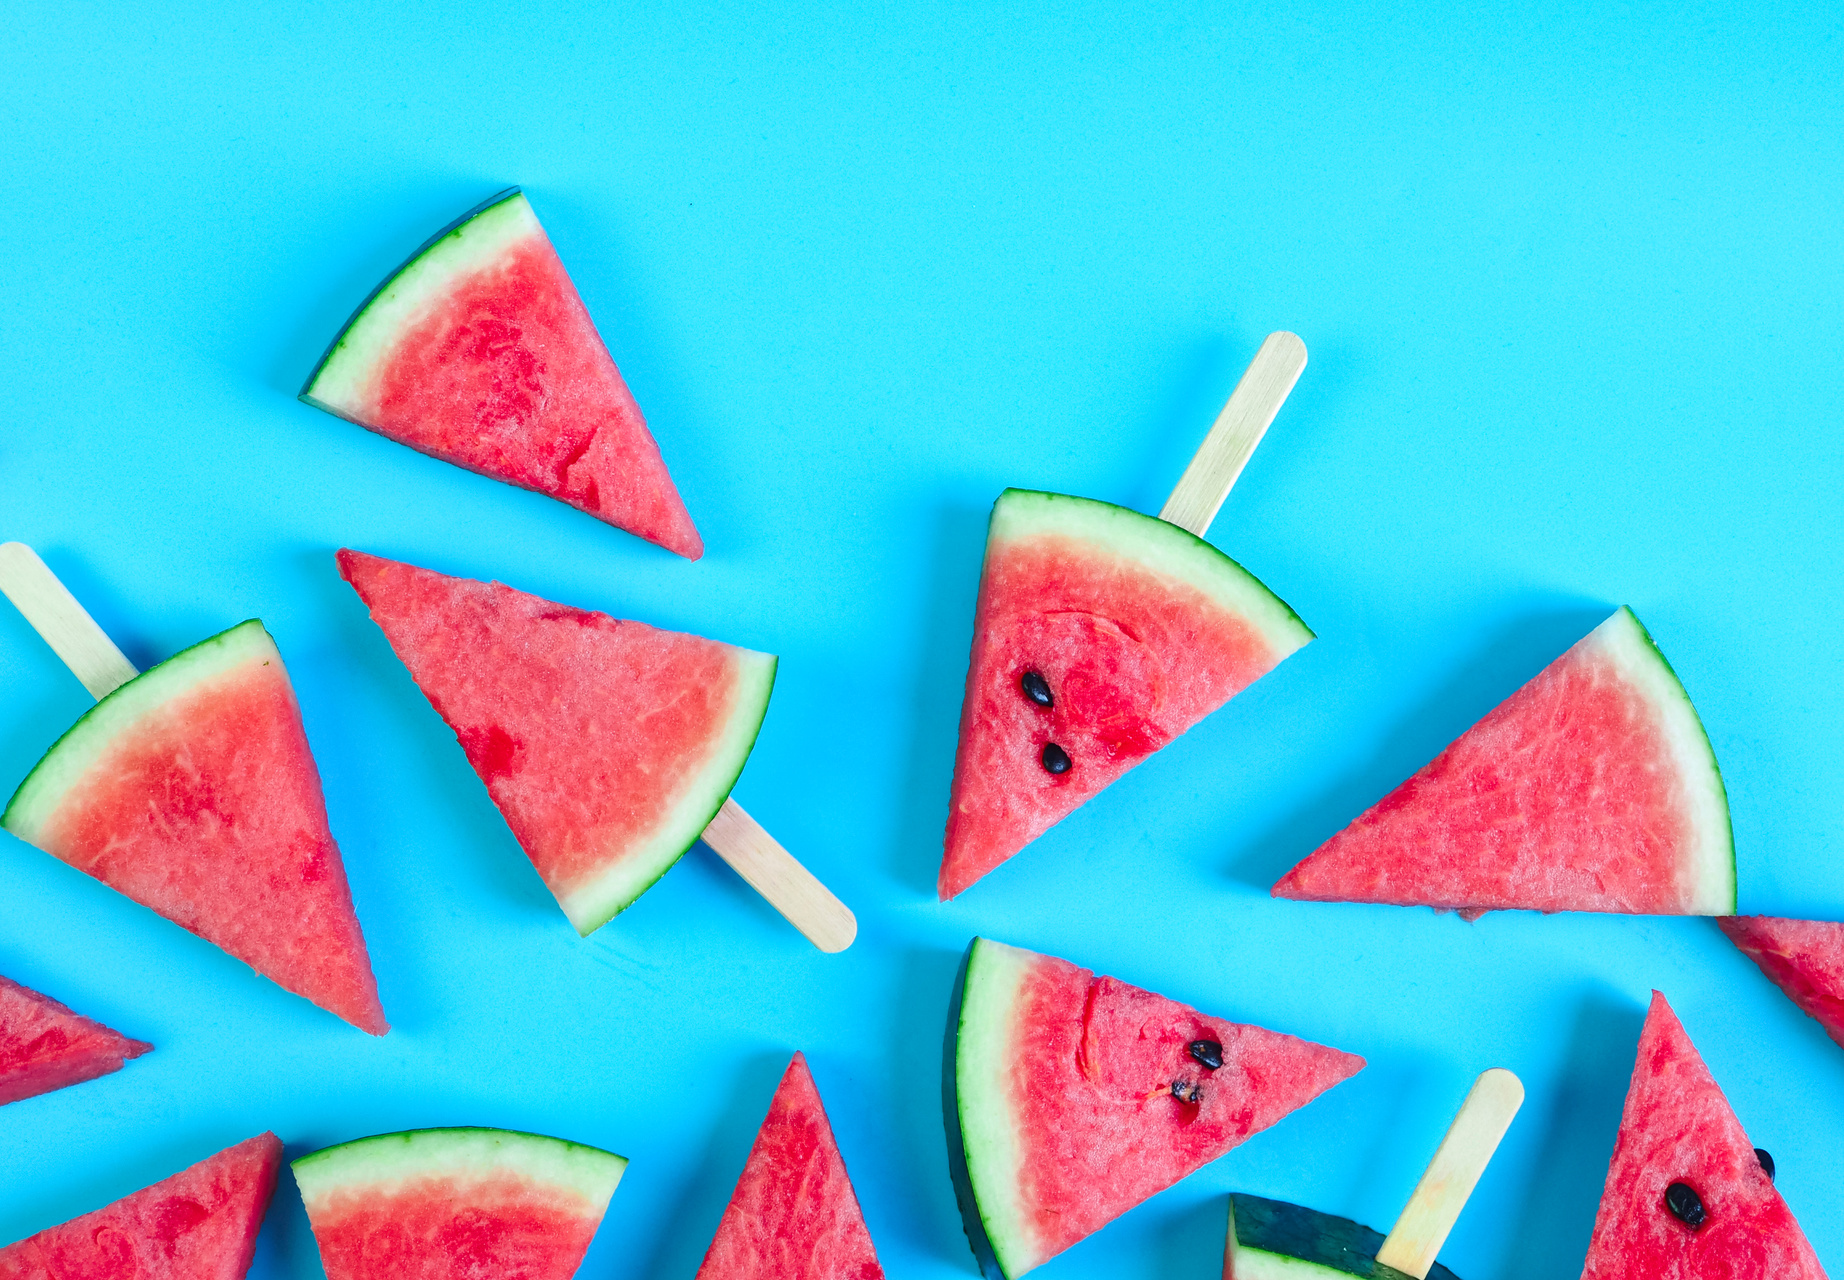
column 1453, row 1173
column 66, row 626
column 1265, row 385
column 773, row 872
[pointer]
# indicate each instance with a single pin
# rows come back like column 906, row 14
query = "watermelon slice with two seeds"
column 478, row 351
column 456, row 1204
column 1805, row 959
column 608, row 745
column 1687, row 1196
column 793, row 1215
column 1100, row 635
column 199, row 1224
column 44, row 1046
column 1592, row 788
column 1070, row 1098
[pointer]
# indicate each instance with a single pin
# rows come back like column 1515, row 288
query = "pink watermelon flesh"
column 1805, row 958
column 199, row 1224
column 44, row 1046
column 1678, row 1127
column 793, row 1215
column 1569, row 796
column 430, row 1229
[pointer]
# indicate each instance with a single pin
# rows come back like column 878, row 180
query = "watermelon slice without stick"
column 1592, row 788
column 1688, row 1197
column 478, row 351
column 44, row 1046
column 456, row 1204
column 1070, row 1098
column 199, row 1224
column 793, row 1215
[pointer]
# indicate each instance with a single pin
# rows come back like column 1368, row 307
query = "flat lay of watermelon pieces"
column 456, row 1204
column 608, row 745
column 1273, row 1240
column 478, row 351
column 44, row 1046
column 1592, row 788
column 1805, row 959
column 793, row 1215
column 1100, row 635
column 191, row 789
column 1069, row 1098
column 199, row 1224
column 1688, row 1197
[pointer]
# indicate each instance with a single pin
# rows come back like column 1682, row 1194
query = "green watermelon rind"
column 1280, row 1241
column 466, row 245
column 589, row 1173
column 593, row 905
column 72, row 755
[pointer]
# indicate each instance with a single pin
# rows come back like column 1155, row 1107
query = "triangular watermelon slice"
column 456, row 1204
column 44, row 1046
column 793, row 1215
column 1100, row 635
column 1070, row 1098
column 1592, row 788
column 1688, row 1197
column 191, row 789
column 478, row 351
column 608, row 745
column 1805, row 958
column 199, row 1224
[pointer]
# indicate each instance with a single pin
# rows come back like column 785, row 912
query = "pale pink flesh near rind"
column 45, row 1046
column 1804, row 958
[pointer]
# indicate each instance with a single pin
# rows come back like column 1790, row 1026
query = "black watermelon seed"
column 1055, row 758
column 1767, row 1162
column 1685, row 1205
column 1186, row 1091
column 1036, row 688
column 1207, row 1052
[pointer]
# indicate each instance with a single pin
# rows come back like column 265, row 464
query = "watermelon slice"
column 1100, row 635
column 44, row 1046
column 199, row 1224
column 478, row 351
column 608, row 745
column 793, row 1215
column 1687, row 1196
column 1592, row 788
column 1272, row 1240
column 456, row 1204
column 1805, row 958
column 1070, row 1098
column 191, row 790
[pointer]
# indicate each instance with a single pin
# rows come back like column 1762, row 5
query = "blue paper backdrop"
column 1570, row 275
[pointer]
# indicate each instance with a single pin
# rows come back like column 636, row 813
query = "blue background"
column 1570, row 275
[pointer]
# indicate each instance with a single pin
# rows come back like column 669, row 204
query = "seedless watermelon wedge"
column 1687, row 1196
column 1100, row 635
column 793, row 1215
column 44, row 1046
column 199, row 1224
column 1592, row 788
column 478, row 351
column 1273, row 1240
column 1070, row 1098
column 191, row 789
column 456, row 1204
column 1805, row 958
column 607, row 745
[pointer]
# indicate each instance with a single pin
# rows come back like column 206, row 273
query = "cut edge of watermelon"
column 1290, row 1242
column 982, row 1139
column 470, row 242
column 588, row 1173
column 594, row 904
column 72, row 755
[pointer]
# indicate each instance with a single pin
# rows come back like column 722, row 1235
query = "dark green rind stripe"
column 1322, row 1239
column 406, row 1136
column 970, row 1219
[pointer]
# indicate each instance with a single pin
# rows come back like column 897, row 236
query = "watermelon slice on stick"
column 609, row 746
column 456, row 1204
column 1101, row 634
column 478, row 351
column 44, row 1046
column 1271, row 1240
column 199, row 1224
column 1069, row 1098
column 1805, row 959
column 191, row 789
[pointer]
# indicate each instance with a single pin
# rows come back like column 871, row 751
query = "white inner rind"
column 594, row 903
column 460, row 1156
column 1259, row 1264
column 1706, row 875
column 343, row 383
column 72, row 756
column 982, row 1091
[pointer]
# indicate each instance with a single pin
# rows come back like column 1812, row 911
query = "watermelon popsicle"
column 1272, row 1240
